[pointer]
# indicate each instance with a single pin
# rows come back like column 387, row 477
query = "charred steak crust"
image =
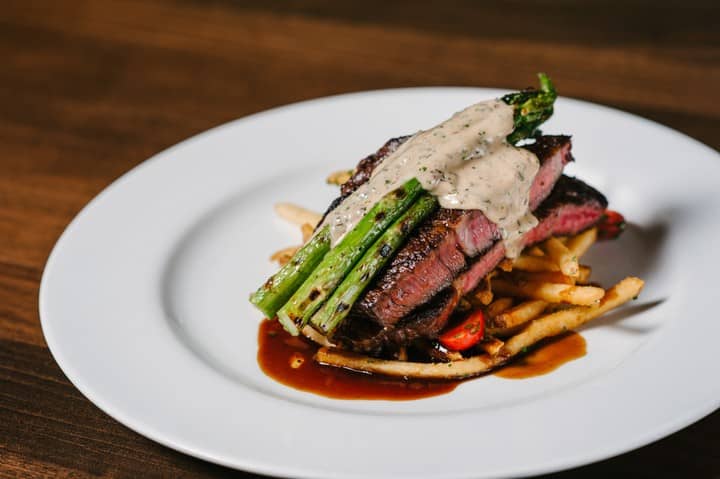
column 367, row 165
column 360, row 335
column 570, row 190
column 546, row 145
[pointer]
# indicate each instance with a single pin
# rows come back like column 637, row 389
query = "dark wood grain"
column 89, row 89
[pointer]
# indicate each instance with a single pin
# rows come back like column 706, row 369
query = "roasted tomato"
column 466, row 334
column 611, row 225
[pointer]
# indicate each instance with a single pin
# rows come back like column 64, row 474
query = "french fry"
column 498, row 306
column 550, row 292
column 584, row 274
column 534, row 263
column 562, row 256
column 310, row 333
column 339, row 178
column 520, row 314
column 504, row 332
column 464, row 305
column 454, row 355
column 402, row 353
column 484, row 294
column 534, row 251
column 506, row 265
column 390, row 367
column 514, row 319
column 297, row 214
column 491, row 345
column 553, row 276
column 555, row 307
column 568, row 319
column 579, row 244
column 307, row 231
column 284, row 255
column 544, row 276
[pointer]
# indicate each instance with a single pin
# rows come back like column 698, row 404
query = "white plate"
column 144, row 302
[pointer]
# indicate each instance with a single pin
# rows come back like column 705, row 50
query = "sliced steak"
column 572, row 207
column 359, row 334
column 553, row 151
column 443, row 246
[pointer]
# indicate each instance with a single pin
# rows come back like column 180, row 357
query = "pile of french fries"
column 542, row 293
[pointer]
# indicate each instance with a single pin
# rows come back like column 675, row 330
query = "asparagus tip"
column 546, row 84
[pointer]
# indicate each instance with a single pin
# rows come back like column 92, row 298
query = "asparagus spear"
column 278, row 289
column 532, row 108
column 338, row 305
column 336, row 264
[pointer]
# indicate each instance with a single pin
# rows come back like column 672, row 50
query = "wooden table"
column 90, row 89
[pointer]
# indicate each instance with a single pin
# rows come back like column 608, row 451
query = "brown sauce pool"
column 548, row 356
column 279, row 351
column 289, row 361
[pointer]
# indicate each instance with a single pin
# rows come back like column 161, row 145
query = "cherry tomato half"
column 466, row 334
column 611, row 225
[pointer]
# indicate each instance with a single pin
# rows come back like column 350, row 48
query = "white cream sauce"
column 466, row 163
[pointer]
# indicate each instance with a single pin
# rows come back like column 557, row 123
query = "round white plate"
column 144, row 302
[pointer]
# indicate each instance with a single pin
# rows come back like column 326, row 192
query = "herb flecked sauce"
column 466, row 163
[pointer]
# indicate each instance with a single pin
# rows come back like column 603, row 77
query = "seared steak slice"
column 553, row 151
column 572, row 207
column 441, row 248
column 429, row 261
